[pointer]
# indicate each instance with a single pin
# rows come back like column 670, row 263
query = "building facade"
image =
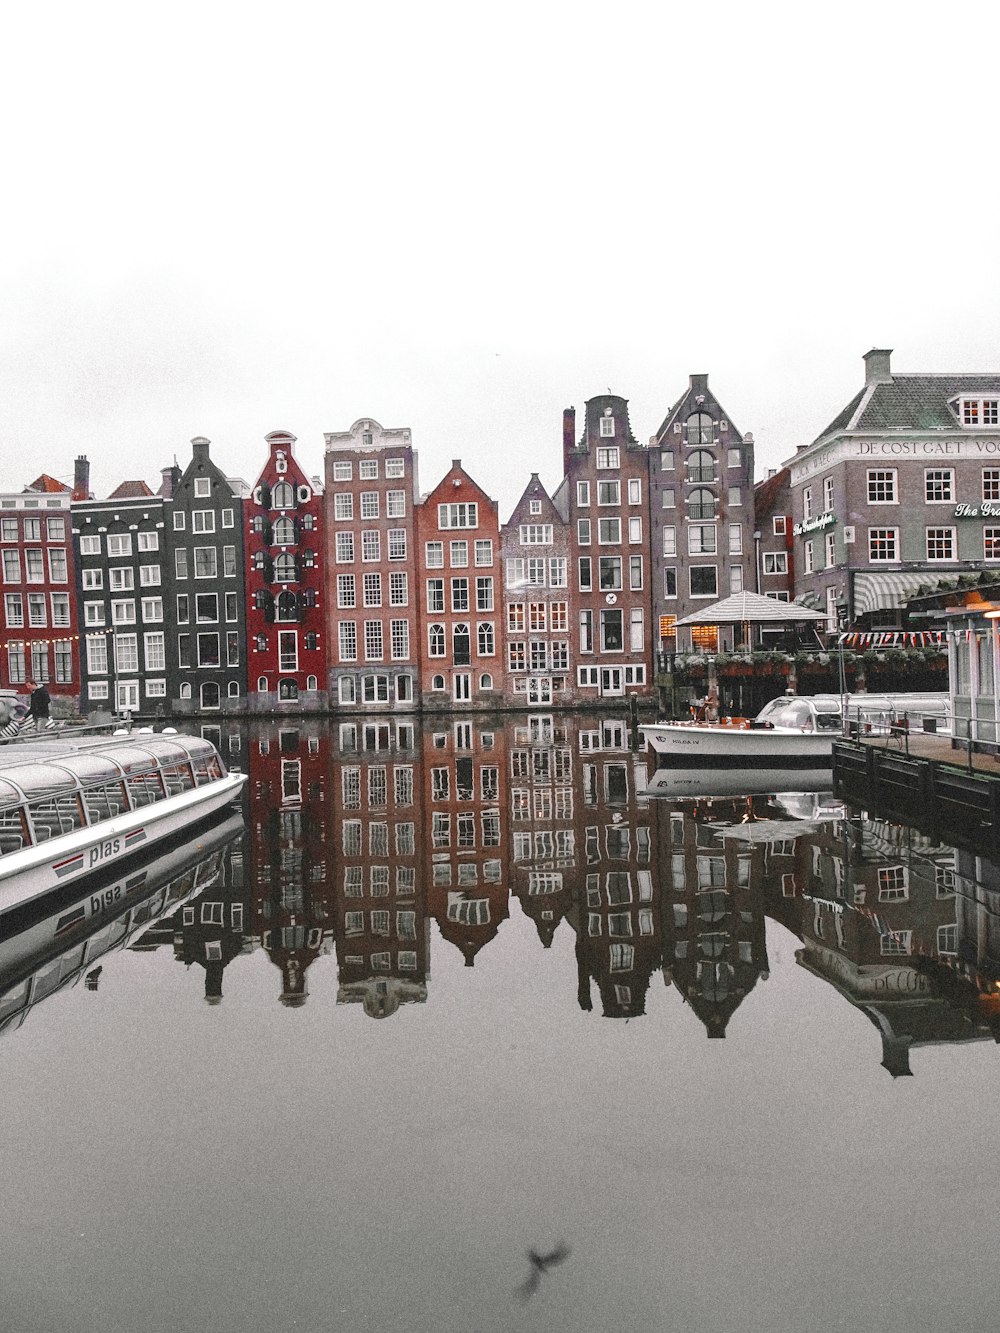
column 372, row 615
column 286, row 625
column 536, row 605
column 206, row 585
column 458, row 559
column 901, row 488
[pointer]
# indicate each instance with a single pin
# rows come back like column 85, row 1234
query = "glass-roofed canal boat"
column 69, row 809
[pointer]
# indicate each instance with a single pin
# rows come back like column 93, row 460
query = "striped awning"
column 885, row 592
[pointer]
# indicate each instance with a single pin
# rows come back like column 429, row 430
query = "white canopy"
column 753, row 608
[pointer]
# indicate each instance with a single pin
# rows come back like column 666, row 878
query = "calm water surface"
column 450, row 994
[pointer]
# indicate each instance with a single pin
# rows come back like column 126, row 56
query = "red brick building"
column 458, row 562
column 286, row 628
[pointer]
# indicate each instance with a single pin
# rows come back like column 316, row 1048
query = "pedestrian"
column 38, row 708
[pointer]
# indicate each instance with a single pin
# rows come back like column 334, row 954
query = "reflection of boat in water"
column 69, row 809
column 59, row 938
column 672, row 781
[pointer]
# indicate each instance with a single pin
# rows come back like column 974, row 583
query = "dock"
column 925, row 780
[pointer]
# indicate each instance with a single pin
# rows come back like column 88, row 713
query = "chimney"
column 569, row 435
column 81, row 478
column 699, row 384
column 877, row 366
column 170, row 477
column 199, row 446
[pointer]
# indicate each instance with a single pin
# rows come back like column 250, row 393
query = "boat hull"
column 701, row 745
column 41, row 869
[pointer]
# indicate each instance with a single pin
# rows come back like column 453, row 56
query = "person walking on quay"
column 38, row 708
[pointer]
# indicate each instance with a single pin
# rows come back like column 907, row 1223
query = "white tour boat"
column 71, row 809
column 789, row 732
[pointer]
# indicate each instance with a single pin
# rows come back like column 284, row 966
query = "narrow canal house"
column 702, row 520
column 901, row 488
column 373, row 627
column 536, row 605
column 604, row 497
column 286, row 621
column 458, row 559
column 121, row 548
column 205, row 582
column 41, row 625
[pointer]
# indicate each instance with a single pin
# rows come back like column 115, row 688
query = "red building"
column 41, row 620
column 286, row 638
column 458, row 561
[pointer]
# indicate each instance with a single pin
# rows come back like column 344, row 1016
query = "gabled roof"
column 49, row 485
column 766, row 492
column 130, row 490
column 753, row 607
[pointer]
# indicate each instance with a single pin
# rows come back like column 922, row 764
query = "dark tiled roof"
column 913, row 402
column 130, row 490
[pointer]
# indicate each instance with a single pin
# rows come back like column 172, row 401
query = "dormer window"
column 979, row 411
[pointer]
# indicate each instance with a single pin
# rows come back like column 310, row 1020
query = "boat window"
column 207, row 767
column 13, row 830
column 52, row 816
column 178, row 778
column 144, row 789
column 14, row 1000
column 105, row 801
column 797, row 714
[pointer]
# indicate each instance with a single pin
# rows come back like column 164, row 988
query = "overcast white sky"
column 226, row 219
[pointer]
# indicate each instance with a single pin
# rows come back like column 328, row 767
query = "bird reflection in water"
column 540, row 1265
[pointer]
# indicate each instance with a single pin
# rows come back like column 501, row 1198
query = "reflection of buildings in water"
column 292, row 894
column 714, row 946
column 211, row 930
column 879, row 922
column 463, row 766
column 614, row 913
column 544, row 864
column 378, row 901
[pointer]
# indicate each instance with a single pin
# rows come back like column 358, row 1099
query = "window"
column 121, row 579
column 436, row 641
column 609, row 531
column 882, row 486
column 484, row 594
column 808, row 563
column 991, row 543
column 155, row 650
column 206, row 608
column 343, row 505
column 828, row 493
column 347, row 635
column 609, row 492
column 119, row 543
column 735, row 539
column 371, row 544
column 735, row 578
column 345, row 548
column 486, row 639
column 939, row 485
column 610, row 573
column 585, row 577
column 92, row 545
column 583, row 531
column 397, row 543
column 484, row 552
column 991, row 484
column 608, row 458
column 704, row 581
column 734, row 497
column 883, row 544
column 583, row 493
column 670, row 582
column 127, row 652
column 373, row 589
column 435, row 594
column 37, row 615
column 668, row 498
column 282, row 497
column 670, row 541
column 206, row 562
column 179, row 522
column 123, row 611
column 607, row 427
column 152, row 609
column 97, row 655
column 14, row 610
column 779, row 525
column 56, row 529
column 701, row 466
column 398, row 589
column 208, row 650
column 775, row 562
column 399, row 639
column 634, row 573
column 702, row 539
column 93, row 613
column 612, row 631
column 941, row 544
column 368, row 467
column 985, row 411
column 831, row 550
column 343, row 471
column 634, row 530
column 395, row 468
column 807, row 503
column 395, row 504
column 149, row 576
column 634, row 491
column 458, row 554
column 203, row 520
column 345, row 590
column 699, row 429
column 373, row 641
column 369, row 504
column 202, row 487
column 458, row 515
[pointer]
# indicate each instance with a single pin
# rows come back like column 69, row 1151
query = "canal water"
column 455, row 1027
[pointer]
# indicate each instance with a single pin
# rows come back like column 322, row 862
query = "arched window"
column 486, row 681
column 209, row 694
column 234, row 689
column 312, row 683
column 287, row 689
column 436, row 641
column 284, row 568
column 701, row 466
column 701, row 504
column 262, row 684
column 185, row 691
column 284, row 532
column 486, row 639
column 461, row 645
column 437, row 682
column 699, row 428
column 282, row 497
column 288, row 606
column 312, row 641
